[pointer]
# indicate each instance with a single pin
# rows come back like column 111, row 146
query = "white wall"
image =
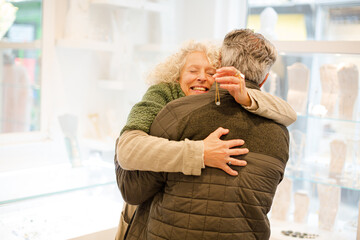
column 208, row 19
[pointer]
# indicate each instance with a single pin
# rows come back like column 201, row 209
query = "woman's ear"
column 262, row 83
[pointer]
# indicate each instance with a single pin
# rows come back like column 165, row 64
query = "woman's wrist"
column 247, row 101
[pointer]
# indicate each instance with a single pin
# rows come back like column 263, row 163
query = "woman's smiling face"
column 196, row 76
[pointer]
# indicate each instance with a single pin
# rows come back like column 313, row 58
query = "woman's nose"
column 202, row 76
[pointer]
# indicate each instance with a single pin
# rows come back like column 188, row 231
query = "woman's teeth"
column 199, row 88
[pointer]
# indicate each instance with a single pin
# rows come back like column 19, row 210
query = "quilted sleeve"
column 138, row 186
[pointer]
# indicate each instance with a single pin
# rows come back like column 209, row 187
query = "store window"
column 20, row 48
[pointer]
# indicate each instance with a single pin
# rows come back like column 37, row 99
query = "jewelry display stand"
column 77, row 20
column 297, row 144
column 282, row 200
column 329, row 86
column 272, row 84
column 348, row 76
column 298, row 77
column 301, row 201
column 69, row 127
column 268, row 20
column 329, row 200
column 338, row 157
column 119, row 64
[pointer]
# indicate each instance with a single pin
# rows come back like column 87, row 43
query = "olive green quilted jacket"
column 214, row 205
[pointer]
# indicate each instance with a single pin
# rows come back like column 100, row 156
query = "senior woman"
column 187, row 72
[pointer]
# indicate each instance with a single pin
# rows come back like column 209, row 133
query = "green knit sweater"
column 156, row 97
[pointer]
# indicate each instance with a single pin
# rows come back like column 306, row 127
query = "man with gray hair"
column 214, row 205
column 253, row 56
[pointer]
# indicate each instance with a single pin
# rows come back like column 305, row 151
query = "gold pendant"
column 217, row 95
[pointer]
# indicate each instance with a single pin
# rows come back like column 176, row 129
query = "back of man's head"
column 249, row 52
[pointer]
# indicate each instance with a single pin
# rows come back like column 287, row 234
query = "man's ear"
column 262, row 83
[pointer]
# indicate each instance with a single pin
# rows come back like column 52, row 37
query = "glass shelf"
column 327, row 47
column 137, row 5
column 325, row 118
column 50, row 180
column 85, row 44
column 316, row 177
column 62, row 216
column 21, row 45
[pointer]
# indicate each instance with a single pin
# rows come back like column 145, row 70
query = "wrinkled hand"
column 228, row 79
column 217, row 153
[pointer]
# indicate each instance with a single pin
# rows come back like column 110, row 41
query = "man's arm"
column 136, row 186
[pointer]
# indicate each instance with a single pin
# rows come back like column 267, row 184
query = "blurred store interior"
column 70, row 71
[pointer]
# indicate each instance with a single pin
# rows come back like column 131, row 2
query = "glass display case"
column 322, row 179
column 63, row 184
column 43, row 194
column 317, row 72
column 62, row 215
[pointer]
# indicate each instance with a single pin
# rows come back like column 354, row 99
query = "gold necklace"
column 217, row 95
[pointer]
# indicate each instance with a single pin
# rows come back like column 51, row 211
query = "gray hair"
column 251, row 53
column 169, row 70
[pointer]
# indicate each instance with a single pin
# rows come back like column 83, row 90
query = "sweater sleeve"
column 272, row 107
column 136, row 150
column 144, row 112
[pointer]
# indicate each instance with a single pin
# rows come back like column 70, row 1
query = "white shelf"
column 85, row 44
column 132, row 4
column 21, row 45
column 157, row 48
column 328, row 47
column 110, row 84
column 281, row 3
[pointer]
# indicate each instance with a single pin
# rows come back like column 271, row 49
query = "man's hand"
column 232, row 80
column 217, row 153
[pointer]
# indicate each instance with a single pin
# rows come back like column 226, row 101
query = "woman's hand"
column 217, row 153
column 232, row 80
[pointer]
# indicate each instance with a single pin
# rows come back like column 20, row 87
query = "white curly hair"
column 169, row 70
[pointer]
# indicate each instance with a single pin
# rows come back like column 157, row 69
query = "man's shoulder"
column 167, row 122
column 184, row 106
